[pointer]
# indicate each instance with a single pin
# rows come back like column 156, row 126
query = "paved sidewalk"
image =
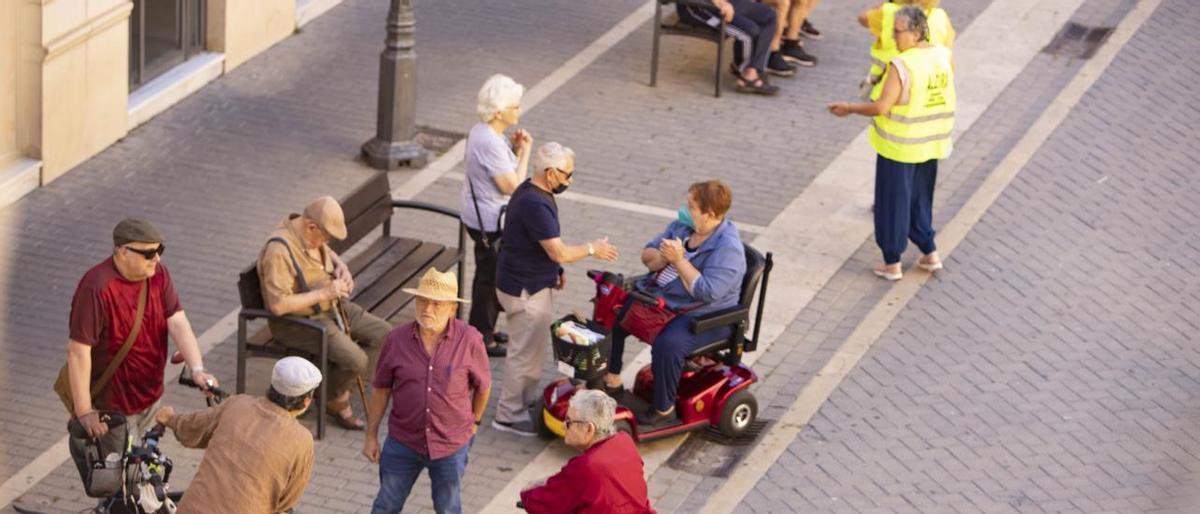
column 1008, row 346
column 1050, row 368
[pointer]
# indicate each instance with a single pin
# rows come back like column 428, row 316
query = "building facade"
column 77, row 75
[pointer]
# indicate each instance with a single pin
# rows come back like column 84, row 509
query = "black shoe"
column 777, row 65
column 500, row 337
column 809, row 31
column 653, row 420
column 794, row 52
column 495, row 350
column 615, row 392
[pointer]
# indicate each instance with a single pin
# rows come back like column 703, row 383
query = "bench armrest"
column 422, row 206
column 250, row 314
column 724, row 317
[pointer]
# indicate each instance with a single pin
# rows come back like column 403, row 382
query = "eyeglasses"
column 148, row 253
column 566, row 175
column 568, row 422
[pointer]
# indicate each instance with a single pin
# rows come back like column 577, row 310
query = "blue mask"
column 685, row 217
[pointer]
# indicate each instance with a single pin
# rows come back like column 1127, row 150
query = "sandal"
column 758, row 86
column 350, row 423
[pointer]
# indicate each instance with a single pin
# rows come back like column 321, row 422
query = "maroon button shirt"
column 432, row 396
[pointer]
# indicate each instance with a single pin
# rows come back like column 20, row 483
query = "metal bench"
column 380, row 271
column 681, row 28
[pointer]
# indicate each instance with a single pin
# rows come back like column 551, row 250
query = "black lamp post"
column 394, row 143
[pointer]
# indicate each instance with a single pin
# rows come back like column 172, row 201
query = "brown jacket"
column 258, row 460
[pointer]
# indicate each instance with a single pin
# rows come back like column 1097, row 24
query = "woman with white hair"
column 607, row 477
column 493, row 171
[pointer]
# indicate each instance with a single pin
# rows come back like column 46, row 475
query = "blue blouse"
column 721, row 260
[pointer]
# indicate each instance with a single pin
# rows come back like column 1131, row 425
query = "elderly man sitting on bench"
column 302, row 276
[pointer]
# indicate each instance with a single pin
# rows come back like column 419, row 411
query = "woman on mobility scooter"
column 697, row 265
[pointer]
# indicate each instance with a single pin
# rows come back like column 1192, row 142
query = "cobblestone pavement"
column 1008, row 348
column 1051, row 368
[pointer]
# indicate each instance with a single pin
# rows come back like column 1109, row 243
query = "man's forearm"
column 479, row 402
column 79, row 373
column 180, row 330
column 376, row 408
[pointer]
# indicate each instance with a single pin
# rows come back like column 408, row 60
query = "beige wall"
column 64, row 70
column 243, row 28
column 9, row 49
column 86, row 73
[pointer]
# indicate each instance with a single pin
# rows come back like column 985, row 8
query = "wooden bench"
column 680, row 28
column 380, row 271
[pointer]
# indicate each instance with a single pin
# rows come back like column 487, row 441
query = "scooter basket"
column 589, row 360
column 101, row 462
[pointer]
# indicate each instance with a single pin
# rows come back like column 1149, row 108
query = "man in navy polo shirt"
column 529, row 267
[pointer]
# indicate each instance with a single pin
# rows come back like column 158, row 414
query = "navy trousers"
column 667, row 354
column 753, row 27
column 904, row 206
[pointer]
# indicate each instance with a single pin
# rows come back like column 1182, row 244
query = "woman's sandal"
column 758, row 86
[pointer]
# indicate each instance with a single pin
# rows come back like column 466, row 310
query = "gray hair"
column 551, row 155
column 917, row 21
column 497, row 94
column 597, row 408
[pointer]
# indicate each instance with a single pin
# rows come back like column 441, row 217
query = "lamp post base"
column 387, row 155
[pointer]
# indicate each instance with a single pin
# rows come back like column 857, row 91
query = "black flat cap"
column 135, row 230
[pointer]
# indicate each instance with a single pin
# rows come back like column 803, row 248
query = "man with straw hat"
column 435, row 370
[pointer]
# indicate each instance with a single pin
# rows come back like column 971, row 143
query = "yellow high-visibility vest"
column 885, row 49
column 920, row 129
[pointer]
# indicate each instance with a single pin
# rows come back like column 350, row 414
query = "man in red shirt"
column 102, row 317
column 606, row 478
column 435, row 370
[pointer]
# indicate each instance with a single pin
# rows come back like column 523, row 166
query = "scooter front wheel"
column 537, row 415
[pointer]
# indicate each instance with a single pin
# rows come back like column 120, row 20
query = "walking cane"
column 343, row 322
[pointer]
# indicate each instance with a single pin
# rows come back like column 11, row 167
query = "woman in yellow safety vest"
column 880, row 20
column 910, row 130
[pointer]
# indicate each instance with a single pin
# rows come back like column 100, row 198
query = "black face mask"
column 559, row 190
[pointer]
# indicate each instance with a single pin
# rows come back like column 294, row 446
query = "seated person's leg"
column 618, row 335
column 366, row 328
column 671, row 348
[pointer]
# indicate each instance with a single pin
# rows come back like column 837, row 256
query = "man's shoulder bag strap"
column 296, row 267
column 62, row 386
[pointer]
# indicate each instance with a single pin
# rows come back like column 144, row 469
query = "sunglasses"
column 149, row 253
column 565, row 174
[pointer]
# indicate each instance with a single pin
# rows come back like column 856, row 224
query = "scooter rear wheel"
column 740, row 411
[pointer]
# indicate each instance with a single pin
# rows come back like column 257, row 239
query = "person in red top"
column 435, row 371
column 102, row 316
column 606, row 478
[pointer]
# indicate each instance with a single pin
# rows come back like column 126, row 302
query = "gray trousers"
column 347, row 356
column 529, row 319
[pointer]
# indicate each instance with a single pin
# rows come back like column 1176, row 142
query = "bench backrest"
column 365, row 208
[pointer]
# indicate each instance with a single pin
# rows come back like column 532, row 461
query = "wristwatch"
column 591, row 250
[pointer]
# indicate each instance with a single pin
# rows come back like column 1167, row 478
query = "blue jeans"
column 399, row 468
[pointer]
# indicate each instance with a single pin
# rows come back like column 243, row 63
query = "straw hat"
column 437, row 286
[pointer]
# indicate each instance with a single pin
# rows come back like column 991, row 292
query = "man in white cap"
column 302, row 276
column 258, row 457
column 435, row 371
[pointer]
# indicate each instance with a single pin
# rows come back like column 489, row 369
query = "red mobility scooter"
column 713, row 389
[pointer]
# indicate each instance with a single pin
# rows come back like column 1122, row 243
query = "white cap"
column 295, row 376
